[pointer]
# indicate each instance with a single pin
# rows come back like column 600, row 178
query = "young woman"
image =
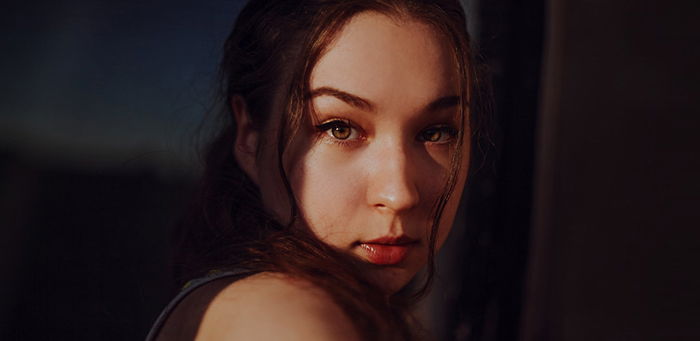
column 336, row 175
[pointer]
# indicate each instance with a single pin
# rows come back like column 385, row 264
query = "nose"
column 393, row 179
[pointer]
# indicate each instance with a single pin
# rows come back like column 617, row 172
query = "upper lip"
column 389, row 240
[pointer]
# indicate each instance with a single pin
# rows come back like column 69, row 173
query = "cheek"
column 333, row 190
column 329, row 190
column 452, row 206
column 448, row 218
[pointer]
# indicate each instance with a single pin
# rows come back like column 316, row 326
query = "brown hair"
column 270, row 55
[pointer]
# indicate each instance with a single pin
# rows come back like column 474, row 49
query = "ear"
column 246, row 145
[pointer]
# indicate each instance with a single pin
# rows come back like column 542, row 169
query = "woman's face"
column 369, row 166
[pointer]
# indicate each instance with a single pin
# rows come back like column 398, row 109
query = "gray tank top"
column 189, row 288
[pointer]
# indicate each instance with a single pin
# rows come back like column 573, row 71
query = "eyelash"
column 450, row 131
column 325, row 127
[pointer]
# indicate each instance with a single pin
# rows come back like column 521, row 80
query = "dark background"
column 100, row 105
column 596, row 106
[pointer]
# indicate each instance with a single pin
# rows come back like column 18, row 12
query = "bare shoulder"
column 270, row 306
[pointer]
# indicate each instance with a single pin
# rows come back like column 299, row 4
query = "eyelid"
column 328, row 124
column 336, row 122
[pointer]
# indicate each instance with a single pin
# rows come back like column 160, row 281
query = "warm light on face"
column 370, row 165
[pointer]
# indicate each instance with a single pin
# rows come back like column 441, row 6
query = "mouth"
column 387, row 250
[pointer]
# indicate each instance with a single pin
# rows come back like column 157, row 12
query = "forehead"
column 388, row 60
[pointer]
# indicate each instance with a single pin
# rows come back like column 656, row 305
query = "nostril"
column 393, row 202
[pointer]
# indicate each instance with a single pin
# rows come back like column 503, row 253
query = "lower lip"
column 385, row 254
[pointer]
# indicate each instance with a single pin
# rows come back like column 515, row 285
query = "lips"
column 387, row 250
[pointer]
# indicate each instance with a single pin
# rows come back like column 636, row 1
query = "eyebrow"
column 353, row 100
column 443, row 103
column 366, row 105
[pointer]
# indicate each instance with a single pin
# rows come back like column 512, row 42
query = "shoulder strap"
column 188, row 288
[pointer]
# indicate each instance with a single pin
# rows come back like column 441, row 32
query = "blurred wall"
column 102, row 84
column 100, row 105
column 616, row 238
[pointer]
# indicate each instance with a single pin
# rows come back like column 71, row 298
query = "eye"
column 339, row 130
column 438, row 134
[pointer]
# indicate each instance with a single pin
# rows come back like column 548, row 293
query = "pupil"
column 433, row 135
column 341, row 132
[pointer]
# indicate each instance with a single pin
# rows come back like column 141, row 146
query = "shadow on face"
column 373, row 155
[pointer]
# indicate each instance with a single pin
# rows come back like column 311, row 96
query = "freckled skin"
column 382, row 173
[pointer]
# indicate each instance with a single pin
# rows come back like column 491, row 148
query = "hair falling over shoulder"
column 267, row 60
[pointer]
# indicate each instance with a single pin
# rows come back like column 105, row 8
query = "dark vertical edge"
column 535, row 302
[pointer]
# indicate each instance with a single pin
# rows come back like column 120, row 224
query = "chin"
column 391, row 279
